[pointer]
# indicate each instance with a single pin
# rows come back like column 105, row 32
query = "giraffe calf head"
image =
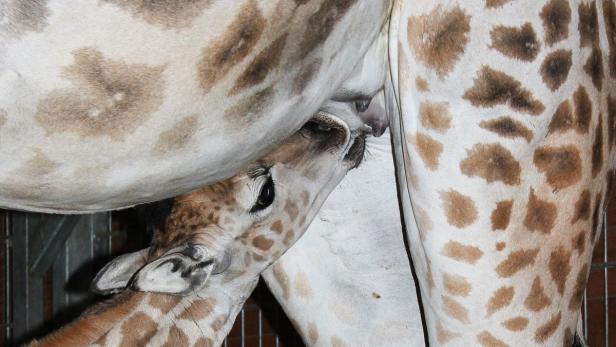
column 240, row 226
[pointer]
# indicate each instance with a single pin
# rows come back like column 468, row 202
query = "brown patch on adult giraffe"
column 582, row 207
column 507, row 127
column 492, row 87
column 516, row 323
column 536, row 299
column 461, row 252
column 283, row 280
column 488, row 340
column 258, row 69
column 544, row 332
column 594, row 67
column 219, row 322
column 597, row 149
column 137, row 330
column 611, row 120
column 232, row 47
column 443, row 335
column 493, row 162
column 291, row 209
column 568, row 338
column 560, row 267
column 454, row 309
column 263, row 243
column 173, row 14
column 321, row 23
column 456, row 285
column 108, row 98
column 556, row 16
column 596, row 216
column 583, row 110
column 337, row 342
column 177, row 137
column 302, row 286
column 555, row 68
column 540, row 214
column 578, row 242
column 429, row 150
column 204, row 342
column 277, row 227
column 22, row 16
column 37, row 166
column 304, row 197
column 516, row 42
column 609, row 16
column 496, row 3
column 500, row 299
column 438, row 38
column 578, row 288
column 198, row 309
column 588, row 25
column 501, row 215
column 305, row 75
column 459, row 209
column 562, row 120
column 313, row 334
column 164, row 303
column 516, row 261
column 435, row 116
column 246, row 108
column 562, row 166
column 421, row 84
column 176, row 338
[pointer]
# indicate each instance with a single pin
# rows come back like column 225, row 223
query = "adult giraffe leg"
column 506, row 143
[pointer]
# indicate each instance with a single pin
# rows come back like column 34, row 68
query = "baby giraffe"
column 188, row 286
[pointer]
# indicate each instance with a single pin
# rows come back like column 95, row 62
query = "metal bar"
column 585, row 314
column 260, row 328
column 243, row 334
column 7, row 278
column 605, row 282
column 50, row 237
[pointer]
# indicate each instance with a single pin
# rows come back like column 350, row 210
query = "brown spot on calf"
column 306, row 75
column 277, row 227
column 519, row 43
column 493, row 162
column 137, row 330
column 198, row 309
column 429, row 150
column 435, row 116
column 546, row 330
column 501, row 215
column 516, row 324
column 421, row 84
column 167, row 14
column 536, row 299
column 246, row 108
column 313, row 334
column 492, row 87
column 232, row 47
column 461, row 252
column 439, row 38
column 496, row 3
column 263, row 243
column 459, row 209
column 321, row 23
column 454, row 309
column 556, row 16
column 501, row 298
column 108, row 98
column 560, row 267
column 555, row 68
column 540, row 214
column 176, row 338
column 507, row 127
column 562, row 120
column 516, row 261
column 164, row 303
column 561, row 165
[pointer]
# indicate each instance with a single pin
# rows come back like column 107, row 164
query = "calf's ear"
column 115, row 276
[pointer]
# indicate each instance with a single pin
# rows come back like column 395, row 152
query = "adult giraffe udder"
column 107, row 104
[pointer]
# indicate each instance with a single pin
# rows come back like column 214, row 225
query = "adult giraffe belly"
column 504, row 144
column 107, row 104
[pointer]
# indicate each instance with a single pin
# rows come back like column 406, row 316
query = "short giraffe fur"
column 204, row 261
column 506, row 134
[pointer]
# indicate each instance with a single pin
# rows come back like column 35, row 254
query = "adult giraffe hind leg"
column 507, row 118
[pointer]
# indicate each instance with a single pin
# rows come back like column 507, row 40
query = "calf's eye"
column 266, row 196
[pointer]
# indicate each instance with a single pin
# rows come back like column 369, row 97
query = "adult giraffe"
column 502, row 113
